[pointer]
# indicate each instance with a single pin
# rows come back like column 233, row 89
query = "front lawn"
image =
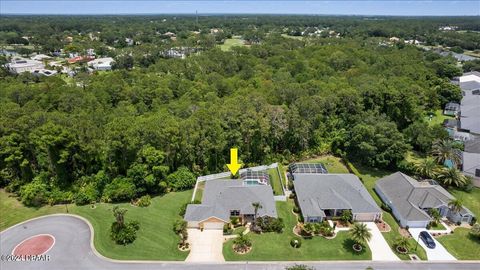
column 274, row 246
column 439, row 226
column 461, row 245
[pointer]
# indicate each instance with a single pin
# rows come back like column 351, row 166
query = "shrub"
column 270, row 224
column 181, row 179
column 124, row 234
column 296, row 209
column 299, row 267
column 386, row 207
column 87, row 194
column 227, row 230
column 120, row 189
column 296, row 242
column 34, row 193
column 179, row 226
column 242, row 242
column 235, row 221
column 473, row 221
column 144, row 201
column 475, row 231
column 346, row 216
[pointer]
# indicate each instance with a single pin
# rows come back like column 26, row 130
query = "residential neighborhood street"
column 73, row 250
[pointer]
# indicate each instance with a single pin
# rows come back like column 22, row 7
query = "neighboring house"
column 470, row 76
column 101, row 63
column 325, row 196
column 225, row 199
column 470, row 114
column 471, row 160
column 452, row 108
column 470, row 88
column 458, row 56
column 411, row 200
column 80, row 59
column 307, row 168
column 20, row 65
column 174, row 53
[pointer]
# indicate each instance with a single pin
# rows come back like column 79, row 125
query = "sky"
column 333, row 7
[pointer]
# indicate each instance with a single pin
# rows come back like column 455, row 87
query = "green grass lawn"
column 275, row 181
column 276, row 246
column 231, row 42
column 199, row 193
column 155, row 239
column 471, row 199
column 332, row 164
column 461, row 245
column 438, row 118
column 12, row 211
column 438, row 227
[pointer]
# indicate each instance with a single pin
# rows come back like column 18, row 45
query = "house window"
column 234, row 213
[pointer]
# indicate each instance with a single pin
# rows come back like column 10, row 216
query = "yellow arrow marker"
column 234, row 166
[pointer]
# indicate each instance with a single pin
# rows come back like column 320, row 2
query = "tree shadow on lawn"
column 348, row 246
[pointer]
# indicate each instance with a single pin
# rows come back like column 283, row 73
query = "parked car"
column 427, row 239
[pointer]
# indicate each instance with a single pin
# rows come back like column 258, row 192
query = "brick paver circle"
column 34, row 245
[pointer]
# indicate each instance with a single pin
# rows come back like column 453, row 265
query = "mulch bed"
column 382, row 226
column 243, row 251
column 404, row 232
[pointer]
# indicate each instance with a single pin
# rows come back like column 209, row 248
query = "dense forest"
column 151, row 127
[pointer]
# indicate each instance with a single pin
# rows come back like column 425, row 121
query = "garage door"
column 213, row 225
column 364, row 217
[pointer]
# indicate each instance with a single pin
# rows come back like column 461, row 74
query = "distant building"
column 20, row 65
column 40, row 57
column 101, row 63
column 80, row 59
column 44, row 72
column 129, row 41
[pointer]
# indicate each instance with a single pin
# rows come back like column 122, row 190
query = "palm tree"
column 256, row 206
column 456, row 205
column 443, row 150
column 435, row 214
column 242, row 242
column 452, row 177
column 402, row 243
column 360, row 233
column 427, row 168
column 119, row 214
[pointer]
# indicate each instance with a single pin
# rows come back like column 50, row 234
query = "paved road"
column 73, row 250
column 381, row 251
column 439, row 253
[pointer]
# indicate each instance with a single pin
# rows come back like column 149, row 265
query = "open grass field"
column 231, row 42
column 276, row 246
column 275, row 181
column 332, row 164
column 461, row 245
column 155, row 239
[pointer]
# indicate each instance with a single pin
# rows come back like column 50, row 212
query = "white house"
column 101, row 63
column 20, row 65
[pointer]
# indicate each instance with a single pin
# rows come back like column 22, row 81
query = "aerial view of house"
column 325, row 196
column 229, row 198
column 411, row 200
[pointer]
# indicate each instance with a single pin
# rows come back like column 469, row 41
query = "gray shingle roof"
column 473, row 146
column 408, row 196
column 317, row 192
column 470, row 163
column 221, row 196
column 470, row 85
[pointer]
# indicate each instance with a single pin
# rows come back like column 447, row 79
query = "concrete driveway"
column 381, row 251
column 439, row 253
column 206, row 246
